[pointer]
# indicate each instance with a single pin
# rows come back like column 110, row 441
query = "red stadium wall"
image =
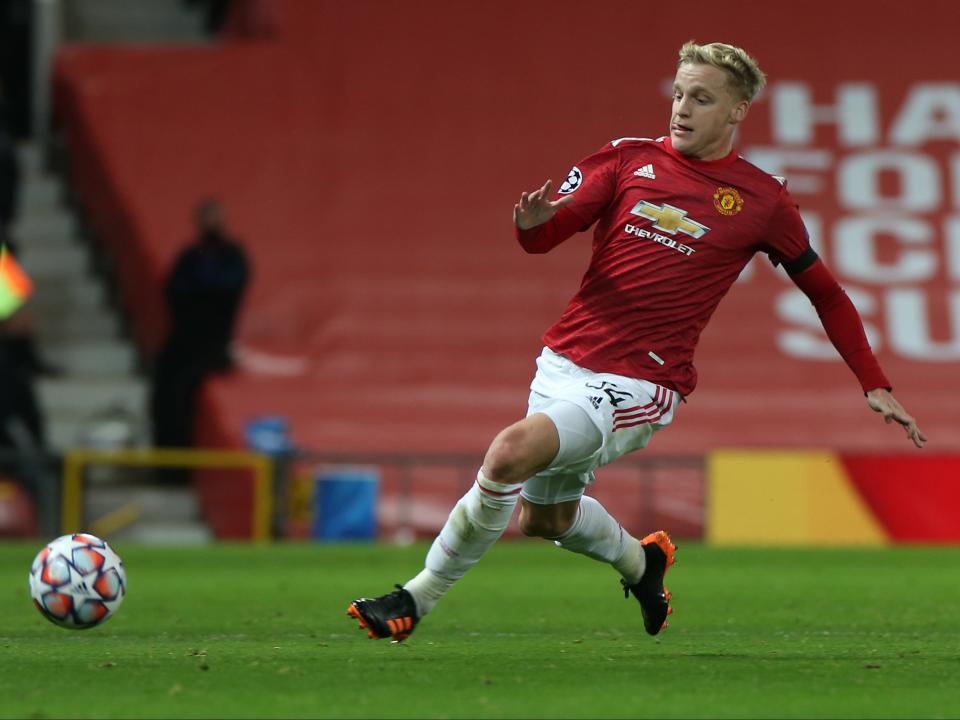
column 369, row 154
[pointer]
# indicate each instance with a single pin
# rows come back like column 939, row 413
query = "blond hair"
column 745, row 77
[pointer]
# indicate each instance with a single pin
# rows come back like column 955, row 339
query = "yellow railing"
column 76, row 460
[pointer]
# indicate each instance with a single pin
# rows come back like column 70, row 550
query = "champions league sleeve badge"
column 573, row 181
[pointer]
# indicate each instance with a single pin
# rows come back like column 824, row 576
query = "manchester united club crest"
column 727, row 201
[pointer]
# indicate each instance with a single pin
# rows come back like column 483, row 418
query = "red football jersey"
column 672, row 235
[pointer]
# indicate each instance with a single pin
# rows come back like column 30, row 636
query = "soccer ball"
column 77, row 581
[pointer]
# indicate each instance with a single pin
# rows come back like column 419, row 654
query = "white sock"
column 427, row 588
column 476, row 522
column 597, row 535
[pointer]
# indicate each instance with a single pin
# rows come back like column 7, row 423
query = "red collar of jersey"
column 725, row 160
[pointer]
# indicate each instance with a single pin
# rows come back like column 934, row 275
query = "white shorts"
column 599, row 416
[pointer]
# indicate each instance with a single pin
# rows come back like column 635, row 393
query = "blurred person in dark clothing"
column 19, row 410
column 9, row 175
column 203, row 293
column 22, row 427
column 16, row 67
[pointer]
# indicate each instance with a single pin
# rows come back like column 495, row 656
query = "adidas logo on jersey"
column 646, row 171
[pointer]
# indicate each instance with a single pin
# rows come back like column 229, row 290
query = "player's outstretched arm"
column 884, row 402
column 536, row 208
column 845, row 329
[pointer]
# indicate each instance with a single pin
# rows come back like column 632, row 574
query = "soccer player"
column 676, row 220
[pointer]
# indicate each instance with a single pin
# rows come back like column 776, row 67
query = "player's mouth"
column 680, row 130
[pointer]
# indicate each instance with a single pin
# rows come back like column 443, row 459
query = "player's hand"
column 536, row 208
column 883, row 402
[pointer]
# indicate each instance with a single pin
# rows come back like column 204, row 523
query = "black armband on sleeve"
column 796, row 266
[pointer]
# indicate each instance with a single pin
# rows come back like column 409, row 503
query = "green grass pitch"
column 533, row 632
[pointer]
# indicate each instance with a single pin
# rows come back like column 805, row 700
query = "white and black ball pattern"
column 77, row 581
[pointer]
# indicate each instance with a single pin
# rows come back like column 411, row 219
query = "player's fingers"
column 524, row 201
column 902, row 417
column 560, row 202
column 543, row 191
column 918, row 438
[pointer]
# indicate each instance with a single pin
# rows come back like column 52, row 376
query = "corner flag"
column 15, row 286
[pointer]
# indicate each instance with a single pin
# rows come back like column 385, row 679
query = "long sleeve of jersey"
column 545, row 237
column 842, row 323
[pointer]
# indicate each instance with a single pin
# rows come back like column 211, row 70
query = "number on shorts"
column 611, row 390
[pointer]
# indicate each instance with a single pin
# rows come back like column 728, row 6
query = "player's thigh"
column 557, row 435
column 579, row 438
column 550, row 498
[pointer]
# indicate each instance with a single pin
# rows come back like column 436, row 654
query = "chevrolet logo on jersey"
column 670, row 219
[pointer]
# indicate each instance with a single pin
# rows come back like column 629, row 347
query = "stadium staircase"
column 92, row 393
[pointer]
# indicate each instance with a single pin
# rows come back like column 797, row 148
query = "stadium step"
column 41, row 193
column 32, row 164
column 156, row 501
column 125, row 21
column 52, row 294
column 37, row 227
column 57, row 257
column 129, row 507
column 87, row 395
column 78, row 324
column 109, row 426
column 94, row 358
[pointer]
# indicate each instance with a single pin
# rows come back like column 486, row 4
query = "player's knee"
column 506, row 457
column 545, row 521
column 521, row 450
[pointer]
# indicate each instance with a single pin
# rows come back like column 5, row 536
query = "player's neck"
column 721, row 156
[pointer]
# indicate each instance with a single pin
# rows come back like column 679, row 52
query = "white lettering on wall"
column 807, row 339
column 955, row 179
column 879, row 190
column 919, row 188
column 856, row 256
column 930, row 112
column 909, row 327
column 795, row 116
column 951, row 231
column 814, row 225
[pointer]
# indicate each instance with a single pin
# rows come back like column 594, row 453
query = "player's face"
column 705, row 113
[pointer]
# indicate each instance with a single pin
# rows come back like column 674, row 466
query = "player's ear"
column 739, row 112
